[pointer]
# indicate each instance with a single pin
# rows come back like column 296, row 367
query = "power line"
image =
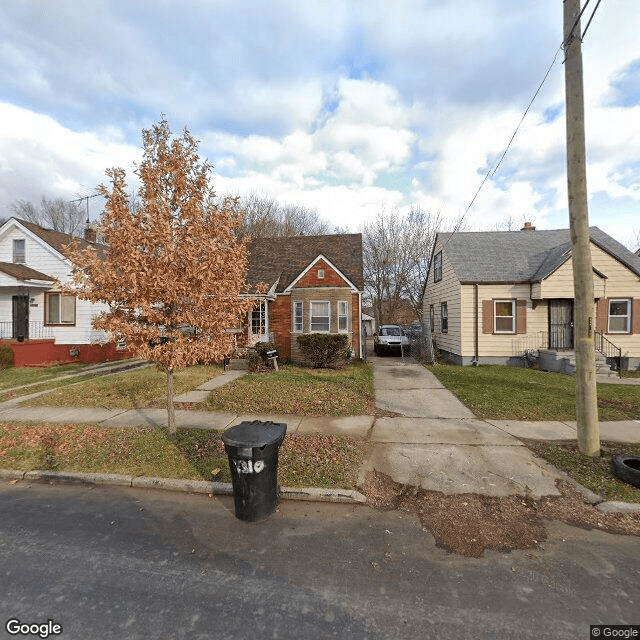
column 493, row 169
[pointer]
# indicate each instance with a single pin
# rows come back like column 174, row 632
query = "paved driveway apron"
column 437, row 443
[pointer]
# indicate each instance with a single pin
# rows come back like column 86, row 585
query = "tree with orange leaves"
column 172, row 271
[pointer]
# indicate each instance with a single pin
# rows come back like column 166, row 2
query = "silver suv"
column 390, row 337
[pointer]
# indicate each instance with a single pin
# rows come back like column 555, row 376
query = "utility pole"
column 586, row 394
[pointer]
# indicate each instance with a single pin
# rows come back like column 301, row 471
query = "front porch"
column 21, row 331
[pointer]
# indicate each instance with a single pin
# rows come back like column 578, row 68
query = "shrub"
column 254, row 361
column 6, row 356
column 262, row 348
column 322, row 349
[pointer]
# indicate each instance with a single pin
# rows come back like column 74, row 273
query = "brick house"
column 314, row 284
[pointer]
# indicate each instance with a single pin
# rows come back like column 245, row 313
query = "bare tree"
column 57, row 214
column 634, row 240
column 396, row 252
column 263, row 217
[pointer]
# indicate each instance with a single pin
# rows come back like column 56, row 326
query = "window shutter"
column 521, row 316
column 635, row 316
column 602, row 314
column 487, row 316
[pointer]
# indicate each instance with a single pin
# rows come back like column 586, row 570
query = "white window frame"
column 627, row 301
column 311, row 316
column 320, row 274
column 261, row 310
column 19, row 254
column 298, row 316
column 512, row 316
column 343, row 314
column 48, row 296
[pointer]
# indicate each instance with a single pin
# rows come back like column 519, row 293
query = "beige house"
column 493, row 297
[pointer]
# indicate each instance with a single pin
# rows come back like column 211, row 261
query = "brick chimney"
column 528, row 227
column 90, row 234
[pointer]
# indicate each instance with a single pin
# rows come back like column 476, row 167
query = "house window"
column 59, row 309
column 504, row 316
column 320, row 274
column 432, row 317
column 619, row 316
column 437, row 267
column 19, row 254
column 320, row 317
column 343, row 316
column 258, row 316
column 297, row 316
column 444, row 318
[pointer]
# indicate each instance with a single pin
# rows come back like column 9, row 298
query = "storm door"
column 561, row 324
column 20, row 316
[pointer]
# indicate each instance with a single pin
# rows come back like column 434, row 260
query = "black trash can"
column 252, row 448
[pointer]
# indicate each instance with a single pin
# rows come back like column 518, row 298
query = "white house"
column 33, row 310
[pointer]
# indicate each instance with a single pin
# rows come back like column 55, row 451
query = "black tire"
column 627, row 468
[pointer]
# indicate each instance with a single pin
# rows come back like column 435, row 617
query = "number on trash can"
column 248, row 466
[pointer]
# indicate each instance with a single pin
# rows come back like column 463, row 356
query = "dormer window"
column 320, row 274
column 19, row 253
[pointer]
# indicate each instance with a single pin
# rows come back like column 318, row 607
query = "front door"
column 20, row 316
column 561, row 324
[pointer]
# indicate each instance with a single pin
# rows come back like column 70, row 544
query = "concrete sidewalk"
column 434, row 442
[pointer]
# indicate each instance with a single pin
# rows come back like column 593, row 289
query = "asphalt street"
column 133, row 563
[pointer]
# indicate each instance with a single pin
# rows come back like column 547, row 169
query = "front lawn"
column 593, row 473
column 298, row 390
column 139, row 388
column 512, row 393
column 195, row 454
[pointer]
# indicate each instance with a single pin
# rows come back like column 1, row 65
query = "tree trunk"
column 171, row 412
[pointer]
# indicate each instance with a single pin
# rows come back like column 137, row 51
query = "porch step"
column 565, row 362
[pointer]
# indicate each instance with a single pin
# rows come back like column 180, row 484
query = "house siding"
column 446, row 290
column 45, row 259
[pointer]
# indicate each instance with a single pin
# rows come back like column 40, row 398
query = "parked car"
column 390, row 337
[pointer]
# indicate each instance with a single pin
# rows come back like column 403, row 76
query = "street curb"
column 311, row 494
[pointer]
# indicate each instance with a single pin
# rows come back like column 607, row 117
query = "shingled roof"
column 57, row 239
column 22, row 272
column 282, row 259
column 521, row 256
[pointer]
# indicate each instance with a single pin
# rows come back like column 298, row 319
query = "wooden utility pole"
column 586, row 394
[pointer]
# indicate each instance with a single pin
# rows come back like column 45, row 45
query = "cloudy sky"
column 345, row 106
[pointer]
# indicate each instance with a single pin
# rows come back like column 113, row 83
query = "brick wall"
column 312, row 279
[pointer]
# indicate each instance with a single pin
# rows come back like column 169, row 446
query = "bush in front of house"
column 262, row 348
column 323, row 349
column 6, row 356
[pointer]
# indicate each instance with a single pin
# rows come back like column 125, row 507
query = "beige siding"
column 446, row 290
column 500, row 345
column 560, row 283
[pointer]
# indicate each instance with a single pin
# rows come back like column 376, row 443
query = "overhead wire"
column 493, row 169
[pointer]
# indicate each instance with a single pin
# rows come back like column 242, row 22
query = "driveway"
column 435, row 442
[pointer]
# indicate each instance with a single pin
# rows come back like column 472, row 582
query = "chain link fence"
column 421, row 339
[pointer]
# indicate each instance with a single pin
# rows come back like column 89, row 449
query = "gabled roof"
column 22, row 272
column 281, row 260
column 57, row 239
column 521, row 256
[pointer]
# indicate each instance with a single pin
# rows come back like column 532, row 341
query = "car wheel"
column 627, row 468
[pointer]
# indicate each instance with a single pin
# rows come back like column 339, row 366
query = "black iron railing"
column 609, row 350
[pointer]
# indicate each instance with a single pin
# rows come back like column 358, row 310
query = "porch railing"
column 37, row 331
column 530, row 342
column 609, row 350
